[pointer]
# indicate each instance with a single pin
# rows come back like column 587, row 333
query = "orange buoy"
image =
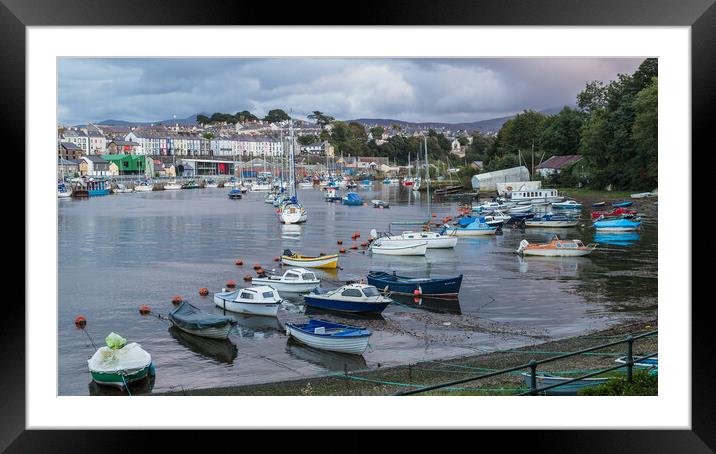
column 435, row 215
column 357, row 234
column 339, row 242
column 231, row 283
column 416, row 292
column 239, row 263
column 80, row 321
column 276, row 259
column 144, row 310
column 364, row 244
column 342, row 250
column 247, row 278
column 203, row 291
column 177, row 299
column 256, row 266
column 260, row 271
column 354, row 247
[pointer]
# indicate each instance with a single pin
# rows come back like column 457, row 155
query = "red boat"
column 615, row 213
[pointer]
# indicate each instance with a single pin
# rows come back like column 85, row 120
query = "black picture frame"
column 700, row 15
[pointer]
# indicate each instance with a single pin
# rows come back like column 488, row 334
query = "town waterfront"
column 122, row 251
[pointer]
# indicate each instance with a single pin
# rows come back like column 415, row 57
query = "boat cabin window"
column 267, row 294
column 247, row 295
column 290, row 275
column 352, row 292
column 309, row 276
column 371, row 291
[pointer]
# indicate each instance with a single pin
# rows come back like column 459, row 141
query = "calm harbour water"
column 122, row 251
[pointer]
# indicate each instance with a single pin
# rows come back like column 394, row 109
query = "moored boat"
column 358, row 298
column 434, row 239
column 447, row 287
column 294, row 280
column 622, row 204
column 172, row 186
column 235, row 193
column 567, row 205
column 380, row 204
column 352, row 199
column 191, row 184
column 119, row 364
column 330, row 336
column 474, row 228
column 556, row 248
column 616, row 225
column 144, row 186
column 259, row 300
column 192, row 320
column 618, row 212
column 322, row 261
column 63, row 191
column 387, row 246
column 551, row 220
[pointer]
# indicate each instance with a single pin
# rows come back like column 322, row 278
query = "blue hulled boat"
column 235, row 193
column 352, row 199
column 617, row 239
column 326, row 335
column 617, row 225
column 622, row 204
column 359, row 298
column 435, row 287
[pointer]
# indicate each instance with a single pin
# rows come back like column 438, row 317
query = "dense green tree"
column 560, row 135
column 202, row 119
column 645, row 132
column 307, row 139
column 276, row 116
column 245, row 116
column 377, row 132
column 320, row 118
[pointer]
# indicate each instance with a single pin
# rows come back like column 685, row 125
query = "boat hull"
column 211, row 333
column 429, row 287
column 327, row 261
column 544, row 252
column 299, row 287
column 533, row 223
column 265, row 309
column 350, row 345
column 395, row 248
column 468, row 232
column 344, row 306
column 118, row 379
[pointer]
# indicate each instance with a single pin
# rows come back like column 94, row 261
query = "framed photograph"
column 463, row 216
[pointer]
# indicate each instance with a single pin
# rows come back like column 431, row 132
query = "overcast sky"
column 440, row 90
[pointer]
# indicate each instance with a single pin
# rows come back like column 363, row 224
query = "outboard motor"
column 287, row 252
column 523, row 245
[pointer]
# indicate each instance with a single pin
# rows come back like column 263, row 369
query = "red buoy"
column 203, row 291
column 357, row 234
column 364, row 244
column 339, row 242
column 231, row 283
column 276, row 259
column 256, row 266
column 416, row 292
column 342, row 250
column 260, row 271
column 239, row 263
column 247, row 278
column 177, row 299
column 80, row 321
column 144, row 310
column 354, row 247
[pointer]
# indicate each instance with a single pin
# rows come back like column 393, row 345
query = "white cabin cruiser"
column 434, row 239
column 294, row 280
column 388, row 246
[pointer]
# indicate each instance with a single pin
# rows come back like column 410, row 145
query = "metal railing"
column 532, row 366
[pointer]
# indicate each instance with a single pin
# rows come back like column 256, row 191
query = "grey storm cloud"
column 415, row 89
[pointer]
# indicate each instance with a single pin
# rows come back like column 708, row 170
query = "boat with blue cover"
column 617, row 238
column 235, row 193
column 617, row 225
column 192, row 320
column 551, row 220
column 360, row 298
column 622, row 204
column 447, row 287
column 326, row 335
column 352, row 199
column 474, row 227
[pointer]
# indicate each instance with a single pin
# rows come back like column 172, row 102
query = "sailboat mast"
column 293, row 162
column 427, row 170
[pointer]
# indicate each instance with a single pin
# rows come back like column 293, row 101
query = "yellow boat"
column 323, row 261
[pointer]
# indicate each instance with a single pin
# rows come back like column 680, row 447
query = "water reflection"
column 334, row 361
column 318, row 312
column 550, row 266
column 138, row 388
column 617, row 239
column 221, row 350
column 438, row 305
column 257, row 325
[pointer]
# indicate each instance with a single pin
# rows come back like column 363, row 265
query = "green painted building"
column 128, row 164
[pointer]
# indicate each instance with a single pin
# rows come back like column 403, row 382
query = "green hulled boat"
column 119, row 364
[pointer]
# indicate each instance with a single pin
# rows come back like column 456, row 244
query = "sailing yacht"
column 408, row 181
column 291, row 212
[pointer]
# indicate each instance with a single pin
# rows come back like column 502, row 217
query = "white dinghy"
column 259, row 300
column 294, row 280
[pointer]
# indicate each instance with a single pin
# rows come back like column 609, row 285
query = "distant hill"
column 491, row 125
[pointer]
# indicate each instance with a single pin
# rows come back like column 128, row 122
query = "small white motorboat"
column 355, row 298
column 641, row 195
column 122, row 189
column 489, row 206
column 434, row 239
column 294, row 280
column 172, row 186
column 525, row 208
column 63, row 191
column 550, row 220
column 211, row 184
column 387, row 246
column 259, row 300
column 144, row 186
